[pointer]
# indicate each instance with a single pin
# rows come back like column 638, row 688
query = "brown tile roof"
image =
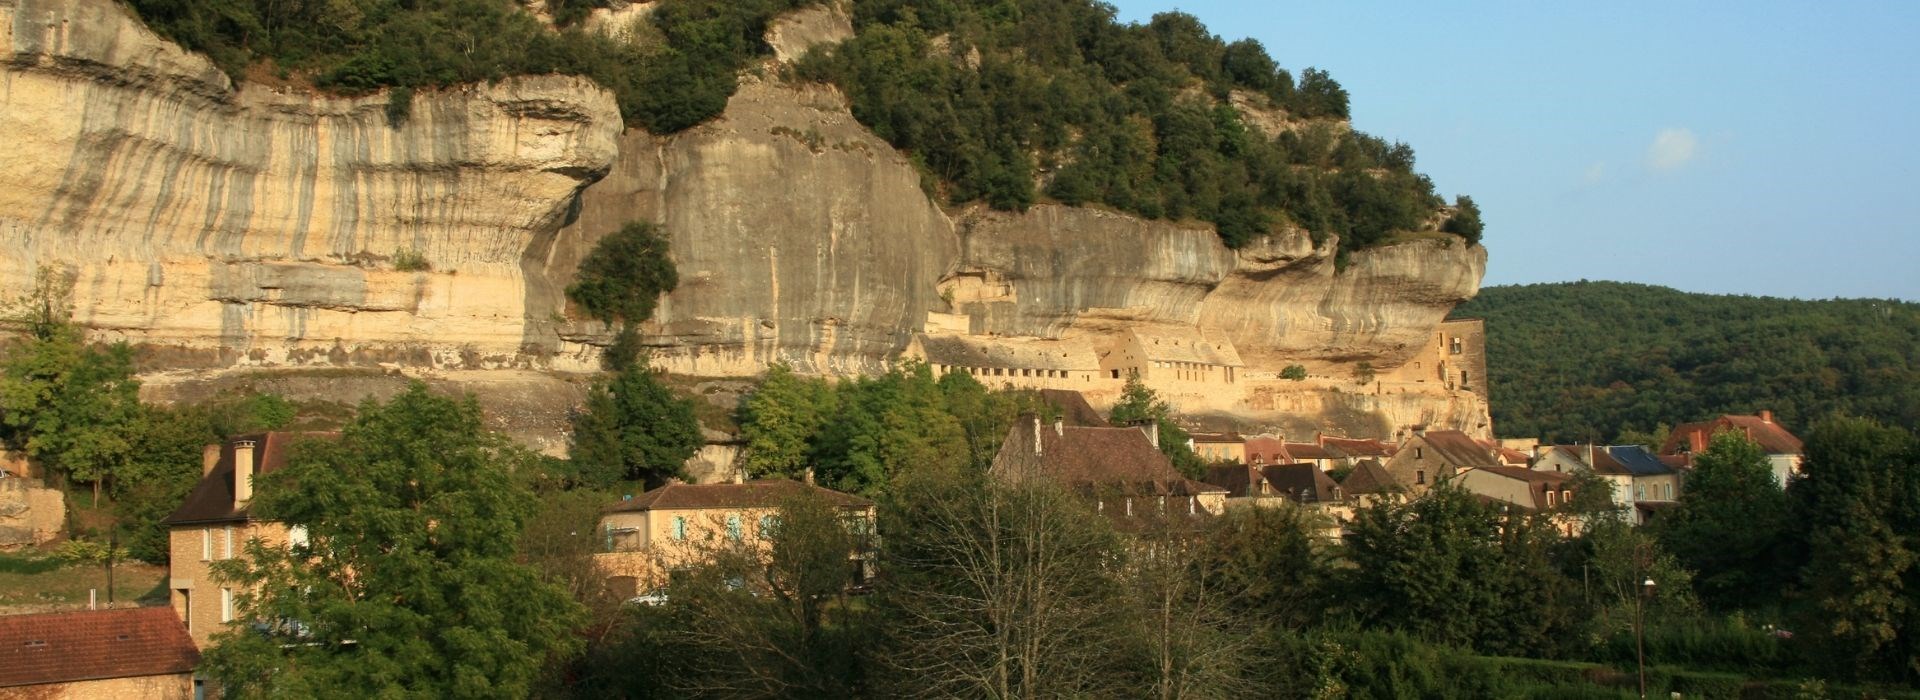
column 1207, row 347
column 1458, row 449
column 1012, row 353
column 1296, row 480
column 1307, row 450
column 1772, row 438
column 759, row 493
column 1529, row 475
column 1119, row 460
column 1369, row 476
column 211, row 500
column 93, row 644
column 1266, row 450
column 1357, row 447
column 1239, row 480
column 1073, row 408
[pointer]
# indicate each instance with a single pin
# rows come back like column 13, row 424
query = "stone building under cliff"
column 1170, row 361
column 1453, row 358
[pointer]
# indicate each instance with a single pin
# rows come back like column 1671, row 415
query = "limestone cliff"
column 253, row 226
column 225, row 227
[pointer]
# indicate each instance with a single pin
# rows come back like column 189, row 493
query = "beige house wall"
column 178, row 686
column 194, row 592
column 1221, row 451
column 650, row 548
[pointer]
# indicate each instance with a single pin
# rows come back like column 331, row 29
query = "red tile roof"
column 1772, row 438
column 1307, row 450
column 1213, row 438
column 1457, row 449
column 759, row 493
column 211, row 500
column 93, row 644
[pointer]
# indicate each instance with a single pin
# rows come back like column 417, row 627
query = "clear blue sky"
column 1767, row 148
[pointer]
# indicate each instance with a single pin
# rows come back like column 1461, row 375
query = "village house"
column 1519, row 487
column 1433, row 456
column 119, row 653
column 1302, row 484
column 1072, row 407
column 1219, row 447
column 1120, row 469
column 1642, row 483
column 1783, row 449
column 1453, row 358
column 673, row 527
column 1031, row 363
column 1368, row 482
column 1320, row 456
column 214, row 524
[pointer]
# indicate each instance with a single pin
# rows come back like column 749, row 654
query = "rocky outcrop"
column 252, row 226
column 225, row 227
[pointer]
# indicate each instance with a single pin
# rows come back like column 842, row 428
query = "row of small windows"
column 1013, row 372
column 736, row 526
column 1193, row 505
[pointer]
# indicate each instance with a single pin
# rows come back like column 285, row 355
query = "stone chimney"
column 1036, row 436
column 1766, row 415
column 1697, row 440
column 209, row 458
column 809, row 476
column 1420, row 430
column 1059, row 426
column 242, row 472
column 740, row 475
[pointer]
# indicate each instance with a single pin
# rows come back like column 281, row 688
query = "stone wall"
column 30, row 513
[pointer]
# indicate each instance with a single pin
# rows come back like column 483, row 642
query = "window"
column 1420, row 477
column 206, row 544
column 297, row 536
column 733, row 526
column 1668, row 490
column 1116, row 374
column 679, row 527
column 1639, row 492
column 767, row 523
column 1419, row 453
column 1566, row 496
column 228, row 535
column 1550, row 502
column 226, row 605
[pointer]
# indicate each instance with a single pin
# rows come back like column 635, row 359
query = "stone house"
column 1783, row 449
column 1120, row 469
column 1454, row 357
column 119, row 653
column 1186, row 359
column 1433, row 456
column 214, row 524
column 1219, row 447
column 646, row 538
column 1642, row 483
column 1368, row 482
column 1031, row 363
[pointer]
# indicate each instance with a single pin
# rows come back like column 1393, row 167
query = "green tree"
column 1294, row 372
column 164, row 467
column 780, row 420
column 1731, row 524
column 1465, row 221
column 406, row 584
column 1857, row 501
column 622, row 279
column 1272, row 563
column 1455, row 570
column 70, row 405
column 1139, row 402
column 633, row 427
column 886, row 425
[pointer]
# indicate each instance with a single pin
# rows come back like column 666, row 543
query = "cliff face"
column 251, row 226
column 225, row 227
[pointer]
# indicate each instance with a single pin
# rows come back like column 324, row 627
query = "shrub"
column 399, row 105
column 410, row 260
column 622, row 279
column 74, row 552
column 1294, row 372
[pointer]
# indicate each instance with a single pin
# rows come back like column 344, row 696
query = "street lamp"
column 1640, row 629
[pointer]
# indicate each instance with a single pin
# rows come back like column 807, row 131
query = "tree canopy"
column 1596, row 361
column 406, row 582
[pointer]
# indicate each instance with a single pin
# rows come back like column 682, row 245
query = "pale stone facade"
column 173, row 686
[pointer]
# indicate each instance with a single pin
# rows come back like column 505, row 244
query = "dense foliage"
column 681, row 76
column 632, row 428
column 860, row 433
column 1593, row 360
column 1005, row 102
column 1139, row 402
column 407, row 582
column 622, row 278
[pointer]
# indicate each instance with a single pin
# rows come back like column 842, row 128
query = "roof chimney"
column 740, row 475
column 1420, row 430
column 209, row 458
column 1059, row 426
column 1766, row 415
column 1036, row 436
column 1152, row 428
column 809, row 476
column 242, row 472
column 1698, row 440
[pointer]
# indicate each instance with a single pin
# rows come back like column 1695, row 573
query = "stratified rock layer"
column 250, row 226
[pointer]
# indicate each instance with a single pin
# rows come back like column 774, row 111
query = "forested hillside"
column 1007, row 103
column 1594, row 360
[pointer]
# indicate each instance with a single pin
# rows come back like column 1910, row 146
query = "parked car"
column 654, row 598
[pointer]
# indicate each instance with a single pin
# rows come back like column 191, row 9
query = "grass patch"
column 34, row 582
